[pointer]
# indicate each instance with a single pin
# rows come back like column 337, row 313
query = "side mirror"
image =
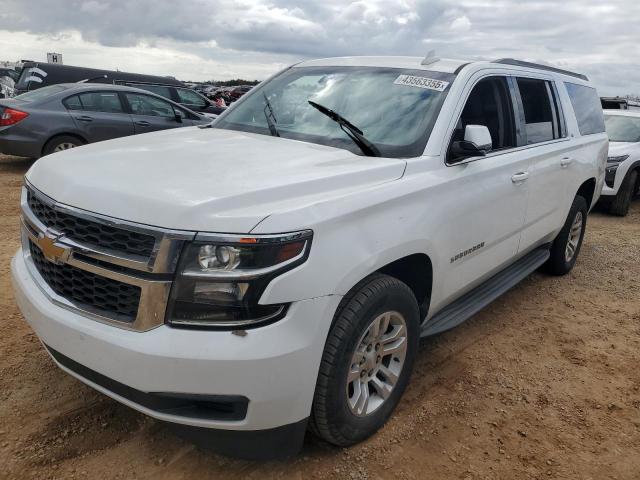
column 477, row 143
column 179, row 116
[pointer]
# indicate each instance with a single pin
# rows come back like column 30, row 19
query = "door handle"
column 566, row 161
column 143, row 123
column 520, row 177
column 85, row 118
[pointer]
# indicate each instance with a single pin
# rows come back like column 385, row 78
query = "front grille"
column 92, row 233
column 94, row 293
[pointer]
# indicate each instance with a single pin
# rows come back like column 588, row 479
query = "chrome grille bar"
column 152, row 275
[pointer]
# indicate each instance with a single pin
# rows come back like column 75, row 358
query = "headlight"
column 619, row 159
column 220, row 279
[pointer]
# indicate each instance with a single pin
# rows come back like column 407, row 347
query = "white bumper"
column 275, row 367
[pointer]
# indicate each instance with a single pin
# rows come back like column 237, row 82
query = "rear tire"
column 566, row 247
column 622, row 201
column 367, row 361
column 61, row 143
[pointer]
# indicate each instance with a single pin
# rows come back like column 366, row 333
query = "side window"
column 586, row 104
column 149, row 106
column 157, row 89
column 108, row 102
column 72, row 103
column 540, row 117
column 489, row 104
column 189, row 97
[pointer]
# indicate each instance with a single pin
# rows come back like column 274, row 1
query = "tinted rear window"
column 588, row 109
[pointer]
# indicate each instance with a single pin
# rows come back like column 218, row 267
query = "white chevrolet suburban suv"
column 622, row 178
column 274, row 272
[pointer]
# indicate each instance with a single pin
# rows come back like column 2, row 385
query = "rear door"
column 99, row 115
column 150, row 113
column 549, row 151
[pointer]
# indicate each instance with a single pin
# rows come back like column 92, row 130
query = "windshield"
column 41, row 93
column 622, row 128
column 395, row 109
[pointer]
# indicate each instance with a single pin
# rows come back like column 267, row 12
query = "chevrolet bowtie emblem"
column 52, row 252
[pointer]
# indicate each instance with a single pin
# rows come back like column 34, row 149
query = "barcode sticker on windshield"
column 421, row 82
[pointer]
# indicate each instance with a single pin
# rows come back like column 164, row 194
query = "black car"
column 59, row 117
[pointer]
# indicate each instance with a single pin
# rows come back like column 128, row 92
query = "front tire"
column 367, row 361
column 566, row 247
column 622, row 201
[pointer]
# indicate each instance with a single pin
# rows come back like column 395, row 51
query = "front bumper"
column 274, row 367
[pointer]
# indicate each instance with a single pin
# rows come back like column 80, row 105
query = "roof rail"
column 538, row 66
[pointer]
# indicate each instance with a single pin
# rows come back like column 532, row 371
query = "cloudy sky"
column 222, row 39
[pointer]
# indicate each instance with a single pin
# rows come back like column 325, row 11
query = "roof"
column 445, row 65
column 622, row 113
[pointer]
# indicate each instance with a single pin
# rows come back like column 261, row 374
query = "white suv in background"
column 275, row 271
column 622, row 180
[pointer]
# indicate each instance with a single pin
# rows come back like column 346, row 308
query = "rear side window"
column 188, row 97
column 157, row 89
column 108, row 102
column 543, row 120
column 73, row 103
column 586, row 104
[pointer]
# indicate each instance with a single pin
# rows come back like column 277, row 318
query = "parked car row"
column 64, row 116
column 230, row 94
column 39, row 75
column 41, row 119
column 274, row 273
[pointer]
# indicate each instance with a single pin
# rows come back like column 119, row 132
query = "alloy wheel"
column 64, row 146
column 574, row 237
column 377, row 363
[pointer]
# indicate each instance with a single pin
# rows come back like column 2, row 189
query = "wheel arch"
column 635, row 167
column 587, row 190
column 415, row 270
column 62, row 134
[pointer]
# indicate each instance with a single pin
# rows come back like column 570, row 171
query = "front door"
column 150, row 114
column 489, row 203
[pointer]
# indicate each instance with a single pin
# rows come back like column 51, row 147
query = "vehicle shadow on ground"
column 15, row 164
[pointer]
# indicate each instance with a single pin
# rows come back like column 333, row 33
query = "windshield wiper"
column 269, row 115
column 353, row 132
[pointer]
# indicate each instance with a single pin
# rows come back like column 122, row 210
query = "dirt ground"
column 544, row 383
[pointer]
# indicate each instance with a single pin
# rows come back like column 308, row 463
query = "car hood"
column 617, row 149
column 204, row 179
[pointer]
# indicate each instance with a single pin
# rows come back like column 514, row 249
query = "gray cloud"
column 588, row 35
